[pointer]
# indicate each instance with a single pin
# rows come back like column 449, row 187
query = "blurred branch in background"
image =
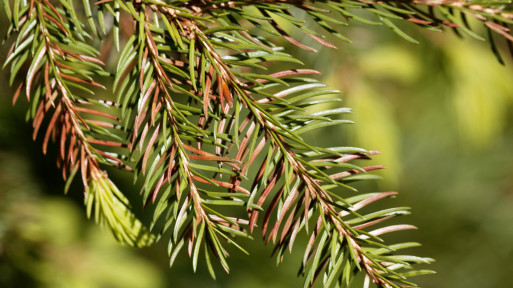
column 449, row 132
column 46, row 242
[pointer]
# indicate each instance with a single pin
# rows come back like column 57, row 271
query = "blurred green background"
column 439, row 112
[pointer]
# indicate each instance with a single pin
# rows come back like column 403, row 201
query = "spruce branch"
column 202, row 121
column 61, row 69
column 156, row 75
column 165, row 122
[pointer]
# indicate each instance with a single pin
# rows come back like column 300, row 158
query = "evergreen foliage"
column 194, row 108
